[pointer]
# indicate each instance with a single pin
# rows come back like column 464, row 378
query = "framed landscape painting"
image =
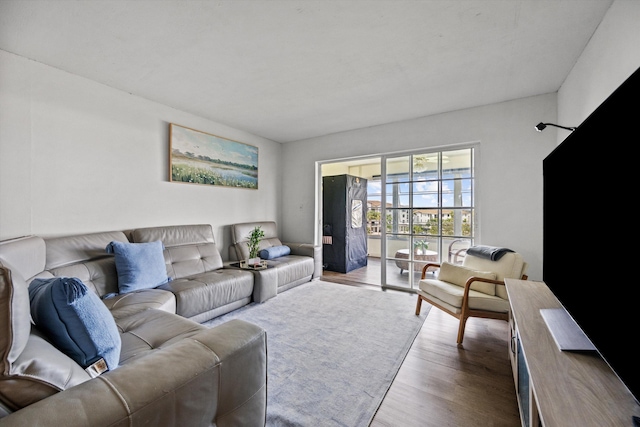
column 201, row 158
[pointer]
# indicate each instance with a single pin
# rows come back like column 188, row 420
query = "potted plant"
column 420, row 247
column 255, row 237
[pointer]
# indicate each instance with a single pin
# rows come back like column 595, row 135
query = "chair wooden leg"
column 463, row 323
column 418, row 306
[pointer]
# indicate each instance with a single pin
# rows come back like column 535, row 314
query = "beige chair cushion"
column 450, row 296
column 458, row 275
column 510, row 266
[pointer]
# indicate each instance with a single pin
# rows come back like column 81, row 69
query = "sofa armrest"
column 308, row 249
column 242, row 349
column 198, row 381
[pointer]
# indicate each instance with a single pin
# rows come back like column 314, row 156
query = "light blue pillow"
column 139, row 265
column 274, row 252
column 75, row 320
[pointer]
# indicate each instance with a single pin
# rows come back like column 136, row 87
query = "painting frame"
column 197, row 157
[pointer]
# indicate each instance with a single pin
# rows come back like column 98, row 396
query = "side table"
column 402, row 254
column 265, row 280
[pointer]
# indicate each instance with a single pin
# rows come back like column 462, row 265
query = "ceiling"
column 289, row 70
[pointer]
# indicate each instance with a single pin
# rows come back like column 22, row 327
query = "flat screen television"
column 591, row 257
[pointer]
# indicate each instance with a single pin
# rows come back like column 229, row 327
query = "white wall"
column 77, row 156
column 611, row 56
column 509, row 192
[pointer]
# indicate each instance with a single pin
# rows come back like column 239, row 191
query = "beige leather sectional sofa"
column 172, row 371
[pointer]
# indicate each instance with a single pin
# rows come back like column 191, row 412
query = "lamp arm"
column 540, row 126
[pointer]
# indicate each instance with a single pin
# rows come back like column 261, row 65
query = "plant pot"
column 254, row 261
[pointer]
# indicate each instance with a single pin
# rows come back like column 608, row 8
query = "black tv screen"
column 591, row 229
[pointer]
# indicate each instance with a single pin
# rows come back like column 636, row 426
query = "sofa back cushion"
column 240, row 237
column 458, row 275
column 25, row 256
column 85, row 257
column 189, row 249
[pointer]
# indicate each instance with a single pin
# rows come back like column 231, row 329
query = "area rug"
column 332, row 351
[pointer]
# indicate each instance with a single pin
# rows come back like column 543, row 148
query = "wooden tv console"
column 559, row 388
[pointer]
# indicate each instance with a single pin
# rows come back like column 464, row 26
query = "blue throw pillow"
column 274, row 252
column 139, row 265
column 75, row 320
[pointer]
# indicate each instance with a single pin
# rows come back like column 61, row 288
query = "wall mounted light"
column 540, row 127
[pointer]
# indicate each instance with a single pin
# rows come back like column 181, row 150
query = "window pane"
column 425, row 221
column 425, row 166
column 425, row 194
column 395, row 244
column 456, row 163
column 397, row 195
column 398, row 169
column 455, row 250
column 456, row 222
column 398, row 221
column 456, row 192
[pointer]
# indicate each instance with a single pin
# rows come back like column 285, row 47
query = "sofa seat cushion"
column 143, row 332
column 452, row 295
column 292, row 268
column 207, row 291
column 40, row 371
column 133, row 302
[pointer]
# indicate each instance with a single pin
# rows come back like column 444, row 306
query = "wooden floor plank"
column 443, row 384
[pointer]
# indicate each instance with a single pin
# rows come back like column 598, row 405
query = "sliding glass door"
column 428, row 212
column 419, row 209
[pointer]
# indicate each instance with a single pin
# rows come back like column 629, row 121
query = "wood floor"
column 442, row 384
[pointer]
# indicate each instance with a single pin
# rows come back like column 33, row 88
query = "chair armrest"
column 435, row 265
column 472, row 279
column 467, row 288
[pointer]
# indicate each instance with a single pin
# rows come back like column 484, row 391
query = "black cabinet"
column 344, row 209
